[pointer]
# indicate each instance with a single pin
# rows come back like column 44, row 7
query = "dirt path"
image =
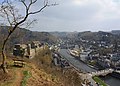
column 18, row 77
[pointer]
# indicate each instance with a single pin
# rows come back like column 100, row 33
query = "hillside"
column 22, row 35
column 117, row 32
column 96, row 36
column 38, row 71
column 36, row 77
column 87, row 35
column 64, row 34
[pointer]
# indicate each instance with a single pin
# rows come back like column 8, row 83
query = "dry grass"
column 15, row 77
column 6, row 79
column 43, row 73
column 68, row 77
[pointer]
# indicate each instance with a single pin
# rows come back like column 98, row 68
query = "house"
column 105, row 63
column 115, row 57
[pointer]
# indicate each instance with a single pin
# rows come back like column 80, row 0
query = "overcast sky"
column 79, row 15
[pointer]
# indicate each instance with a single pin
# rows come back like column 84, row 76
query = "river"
column 84, row 67
column 112, row 81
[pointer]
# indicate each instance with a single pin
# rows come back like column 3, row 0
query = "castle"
column 27, row 50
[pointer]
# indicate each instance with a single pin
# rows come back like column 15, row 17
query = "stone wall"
column 29, row 51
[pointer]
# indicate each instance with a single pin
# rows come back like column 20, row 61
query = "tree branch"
column 24, row 4
column 31, row 2
column 7, row 16
column 38, row 10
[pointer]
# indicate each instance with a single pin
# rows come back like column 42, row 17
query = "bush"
column 27, row 75
column 98, row 80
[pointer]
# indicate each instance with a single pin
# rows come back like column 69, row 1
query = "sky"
column 78, row 15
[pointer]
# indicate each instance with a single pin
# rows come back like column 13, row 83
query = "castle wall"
column 29, row 50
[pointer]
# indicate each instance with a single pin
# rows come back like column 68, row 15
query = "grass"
column 8, row 80
column 98, row 80
column 43, row 61
column 27, row 75
column 92, row 63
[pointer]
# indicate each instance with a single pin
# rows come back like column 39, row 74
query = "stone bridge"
column 118, row 71
column 102, row 72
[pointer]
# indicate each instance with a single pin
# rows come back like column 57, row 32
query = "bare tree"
column 10, row 13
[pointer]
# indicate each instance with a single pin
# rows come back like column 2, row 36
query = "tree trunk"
column 4, row 63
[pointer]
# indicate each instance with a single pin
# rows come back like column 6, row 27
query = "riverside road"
column 76, row 63
column 85, row 68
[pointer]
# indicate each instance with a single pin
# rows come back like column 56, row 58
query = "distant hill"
column 22, row 35
column 97, row 36
column 117, row 32
column 87, row 35
column 64, row 34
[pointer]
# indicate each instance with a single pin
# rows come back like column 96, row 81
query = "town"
column 93, row 58
column 94, row 55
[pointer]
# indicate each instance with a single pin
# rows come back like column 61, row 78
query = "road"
column 84, row 67
column 76, row 63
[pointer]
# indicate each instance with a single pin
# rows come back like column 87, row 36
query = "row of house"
column 112, row 61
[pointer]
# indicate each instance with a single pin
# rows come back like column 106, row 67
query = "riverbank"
column 112, row 81
column 84, row 67
column 99, row 81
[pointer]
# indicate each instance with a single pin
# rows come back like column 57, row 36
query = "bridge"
column 118, row 71
column 102, row 72
column 89, row 72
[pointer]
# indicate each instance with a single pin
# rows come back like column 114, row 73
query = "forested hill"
column 71, row 35
column 88, row 35
column 22, row 35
